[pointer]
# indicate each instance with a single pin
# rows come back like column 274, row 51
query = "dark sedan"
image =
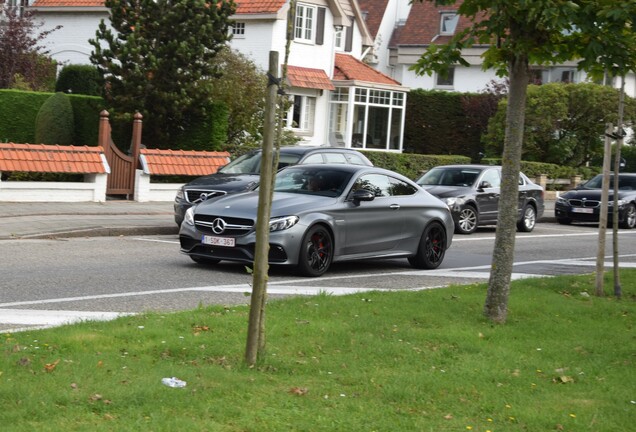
column 322, row 214
column 583, row 204
column 472, row 194
column 243, row 173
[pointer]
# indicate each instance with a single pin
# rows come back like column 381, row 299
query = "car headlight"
column 180, row 194
column 453, row 201
column 620, row 203
column 561, row 200
column 189, row 216
column 283, row 223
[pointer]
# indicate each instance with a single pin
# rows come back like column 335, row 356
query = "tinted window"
column 399, row 187
column 315, row 158
column 377, row 184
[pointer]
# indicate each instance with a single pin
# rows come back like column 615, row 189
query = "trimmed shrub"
column 412, row 165
column 79, row 79
column 54, row 123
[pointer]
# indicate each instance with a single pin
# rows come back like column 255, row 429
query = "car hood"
column 225, row 182
column 245, row 205
column 590, row 194
column 446, row 191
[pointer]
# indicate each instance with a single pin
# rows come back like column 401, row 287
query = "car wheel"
column 432, row 247
column 630, row 217
column 205, row 261
column 528, row 219
column 316, row 252
column 467, row 221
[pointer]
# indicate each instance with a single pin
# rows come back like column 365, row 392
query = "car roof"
column 302, row 150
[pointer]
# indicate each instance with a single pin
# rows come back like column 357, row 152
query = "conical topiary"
column 54, row 123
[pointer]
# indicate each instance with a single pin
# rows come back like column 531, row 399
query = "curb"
column 98, row 232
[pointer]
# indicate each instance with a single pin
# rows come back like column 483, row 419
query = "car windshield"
column 450, row 177
column 250, row 163
column 312, row 180
column 624, row 183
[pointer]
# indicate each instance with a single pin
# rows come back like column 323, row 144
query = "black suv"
column 243, row 173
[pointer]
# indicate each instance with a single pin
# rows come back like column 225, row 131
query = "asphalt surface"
column 24, row 220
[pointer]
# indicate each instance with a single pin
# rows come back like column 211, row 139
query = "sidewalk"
column 63, row 219
column 110, row 218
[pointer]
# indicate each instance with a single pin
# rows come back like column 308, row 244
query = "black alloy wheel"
column 316, row 252
column 432, row 248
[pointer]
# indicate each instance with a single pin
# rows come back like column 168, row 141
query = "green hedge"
column 412, row 165
column 552, row 171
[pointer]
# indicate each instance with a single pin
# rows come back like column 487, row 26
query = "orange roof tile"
column 68, row 3
column 308, row 78
column 182, row 162
column 349, row 68
column 373, row 11
column 423, row 25
column 258, row 6
column 242, row 6
column 52, row 158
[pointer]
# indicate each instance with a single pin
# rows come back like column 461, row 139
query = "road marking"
column 49, row 318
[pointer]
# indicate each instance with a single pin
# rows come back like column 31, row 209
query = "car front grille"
column 193, row 195
column 233, row 226
column 584, row 203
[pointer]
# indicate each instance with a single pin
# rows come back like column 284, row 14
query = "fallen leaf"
column 448, row 417
column 563, row 379
column 50, row 367
column 298, row 391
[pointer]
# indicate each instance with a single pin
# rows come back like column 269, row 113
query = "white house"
column 403, row 31
column 337, row 99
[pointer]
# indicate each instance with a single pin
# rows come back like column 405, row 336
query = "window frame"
column 307, row 23
column 446, row 17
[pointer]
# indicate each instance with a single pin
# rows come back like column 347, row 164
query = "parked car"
column 322, row 214
column 243, row 173
column 583, row 203
column 472, row 194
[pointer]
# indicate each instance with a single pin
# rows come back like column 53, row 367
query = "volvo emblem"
column 203, row 196
column 218, row 226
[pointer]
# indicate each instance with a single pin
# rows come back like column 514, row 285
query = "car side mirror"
column 362, row 195
column 484, row 185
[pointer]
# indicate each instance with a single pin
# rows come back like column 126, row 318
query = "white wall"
column 69, row 45
column 92, row 189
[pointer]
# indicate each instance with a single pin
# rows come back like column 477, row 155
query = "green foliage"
column 564, row 123
column 24, row 63
column 241, row 86
column 146, row 68
column 208, row 134
column 54, row 123
column 412, row 165
column 552, row 171
column 440, row 122
column 374, row 361
column 79, row 79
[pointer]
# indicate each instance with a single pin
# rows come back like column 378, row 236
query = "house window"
column 305, row 23
column 339, row 39
column 238, row 29
column 447, row 81
column 448, row 23
column 378, row 119
column 301, row 114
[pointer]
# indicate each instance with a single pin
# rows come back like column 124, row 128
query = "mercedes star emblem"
column 218, row 226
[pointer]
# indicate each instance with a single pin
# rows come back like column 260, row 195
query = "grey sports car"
column 322, row 214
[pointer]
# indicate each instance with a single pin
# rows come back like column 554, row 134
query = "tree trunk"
column 618, row 292
column 496, row 306
column 602, row 217
column 255, row 330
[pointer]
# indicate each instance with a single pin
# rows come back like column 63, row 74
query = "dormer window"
column 448, row 23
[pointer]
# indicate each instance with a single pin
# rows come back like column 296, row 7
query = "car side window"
column 354, row 159
column 492, row 177
column 377, row 184
column 315, row 158
column 335, row 158
column 400, row 188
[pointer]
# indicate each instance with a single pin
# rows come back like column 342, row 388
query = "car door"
column 375, row 225
column 487, row 195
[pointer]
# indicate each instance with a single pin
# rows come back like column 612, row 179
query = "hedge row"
column 19, row 110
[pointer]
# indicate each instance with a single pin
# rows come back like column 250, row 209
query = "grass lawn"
column 380, row 361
